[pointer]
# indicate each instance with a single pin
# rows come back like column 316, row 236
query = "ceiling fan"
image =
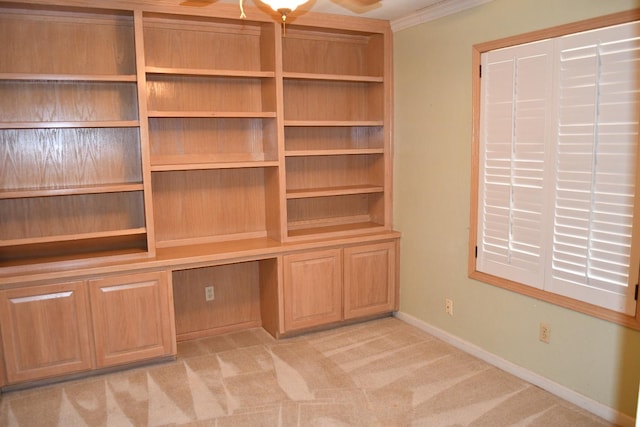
column 284, row 7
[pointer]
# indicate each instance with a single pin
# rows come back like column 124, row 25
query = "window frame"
column 631, row 321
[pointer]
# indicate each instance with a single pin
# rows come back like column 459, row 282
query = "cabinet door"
column 312, row 289
column 45, row 331
column 369, row 279
column 132, row 318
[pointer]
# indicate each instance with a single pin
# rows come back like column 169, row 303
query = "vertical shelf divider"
column 144, row 130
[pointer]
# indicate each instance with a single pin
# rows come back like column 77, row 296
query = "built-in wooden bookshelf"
column 211, row 99
column 71, row 179
column 150, row 150
column 335, row 143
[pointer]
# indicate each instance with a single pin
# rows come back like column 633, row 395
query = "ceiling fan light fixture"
column 283, row 5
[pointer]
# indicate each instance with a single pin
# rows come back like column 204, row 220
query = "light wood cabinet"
column 312, row 289
column 45, row 331
column 328, row 286
column 132, row 318
column 150, row 150
column 60, row 329
column 370, row 279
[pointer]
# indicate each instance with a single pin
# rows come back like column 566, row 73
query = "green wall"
column 432, row 137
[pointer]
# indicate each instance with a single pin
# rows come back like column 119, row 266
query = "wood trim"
column 562, row 301
column 561, row 30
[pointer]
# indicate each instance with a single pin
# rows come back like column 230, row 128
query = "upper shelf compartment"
column 70, row 44
column 201, row 67
column 311, row 53
column 224, row 47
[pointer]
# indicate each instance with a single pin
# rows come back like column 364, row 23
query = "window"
column 554, row 206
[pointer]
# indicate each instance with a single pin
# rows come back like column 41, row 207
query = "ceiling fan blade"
column 196, row 3
column 359, row 6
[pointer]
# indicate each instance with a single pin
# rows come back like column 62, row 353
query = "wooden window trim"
column 477, row 50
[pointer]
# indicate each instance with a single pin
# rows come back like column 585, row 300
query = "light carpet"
column 379, row 373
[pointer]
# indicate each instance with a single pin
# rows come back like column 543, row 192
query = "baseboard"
column 584, row 402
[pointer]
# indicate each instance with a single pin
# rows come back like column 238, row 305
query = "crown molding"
column 434, row 11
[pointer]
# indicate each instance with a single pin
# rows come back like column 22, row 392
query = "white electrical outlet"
column 448, row 306
column 208, row 293
column 544, row 334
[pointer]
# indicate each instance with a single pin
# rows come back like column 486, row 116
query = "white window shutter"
column 598, row 116
column 514, row 123
column 559, row 129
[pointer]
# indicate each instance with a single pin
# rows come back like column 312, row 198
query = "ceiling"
column 401, row 13
column 381, row 9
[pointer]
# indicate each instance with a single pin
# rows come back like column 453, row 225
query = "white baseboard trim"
column 584, row 402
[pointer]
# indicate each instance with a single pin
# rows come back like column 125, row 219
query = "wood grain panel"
column 67, row 101
column 66, row 42
column 369, row 279
column 330, row 52
column 328, row 209
column 64, row 215
column 191, row 93
column 74, row 252
column 195, row 204
column 329, row 100
column 270, row 295
column 334, row 171
column 233, row 139
column 312, row 289
column 59, row 158
column 132, row 318
column 333, row 138
column 45, row 331
column 170, row 42
column 236, row 298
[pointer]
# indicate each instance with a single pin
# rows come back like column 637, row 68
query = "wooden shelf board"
column 212, row 165
column 182, row 159
column 210, row 73
column 334, row 229
column 70, row 124
column 334, row 123
column 338, row 152
column 58, row 263
column 70, row 190
column 333, row 77
column 222, row 239
column 73, row 237
column 70, row 77
column 334, row 191
column 213, row 114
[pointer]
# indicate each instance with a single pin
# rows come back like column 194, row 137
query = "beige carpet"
column 379, row 373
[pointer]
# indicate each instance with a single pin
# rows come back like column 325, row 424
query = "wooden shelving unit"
column 149, row 150
column 336, row 148
column 212, row 127
column 69, row 135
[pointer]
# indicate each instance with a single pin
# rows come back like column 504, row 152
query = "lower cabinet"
column 369, row 280
column 328, row 286
column 132, row 318
column 312, row 289
column 47, row 330
column 54, row 330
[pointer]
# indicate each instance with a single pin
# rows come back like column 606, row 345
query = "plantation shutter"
column 515, row 110
column 558, row 157
column 596, row 153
